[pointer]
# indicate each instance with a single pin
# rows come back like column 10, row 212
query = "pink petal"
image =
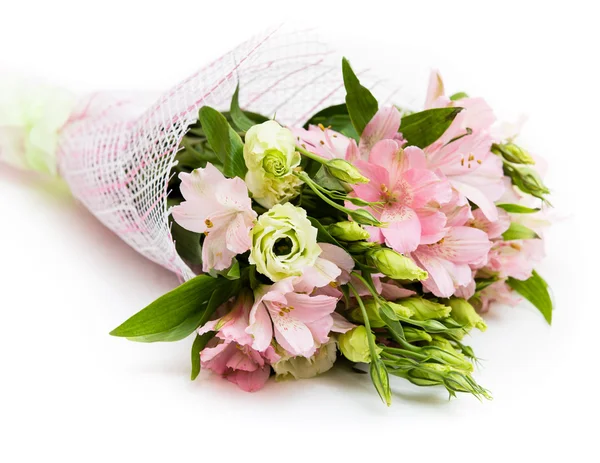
column 435, row 88
column 340, row 324
column 433, row 225
column 427, row 187
column 238, row 238
column 215, row 254
column 337, row 255
column 439, row 281
column 404, row 231
column 392, row 291
column 294, row 336
column 260, row 328
column 384, row 125
column 250, row 381
column 389, row 156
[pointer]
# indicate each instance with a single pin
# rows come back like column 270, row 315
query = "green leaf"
column 187, row 244
column 535, row 290
column 361, row 104
column 179, row 312
column 517, row 209
column 459, row 96
column 224, row 141
column 239, row 118
column 337, row 118
column 199, row 344
column 516, row 231
column 423, row 128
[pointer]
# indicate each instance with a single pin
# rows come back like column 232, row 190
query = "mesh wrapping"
column 116, row 153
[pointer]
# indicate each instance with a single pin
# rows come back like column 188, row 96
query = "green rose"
column 270, row 155
column 284, row 242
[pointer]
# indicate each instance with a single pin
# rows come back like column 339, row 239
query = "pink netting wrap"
column 116, row 154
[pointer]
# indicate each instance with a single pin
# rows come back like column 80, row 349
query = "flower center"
column 282, row 247
column 274, row 163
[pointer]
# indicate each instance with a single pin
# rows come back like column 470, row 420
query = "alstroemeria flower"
column 448, row 261
column 326, row 142
column 384, row 125
column 463, row 152
column 219, row 207
column 499, row 292
column 299, row 322
column 333, row 266
column 516, row 258
column 400, row 180
column 242, row 365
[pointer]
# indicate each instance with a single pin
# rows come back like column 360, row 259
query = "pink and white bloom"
column 240, row 364
column 449, row 261
column 326, row 142
column 300, row 323
column 232, row 355
column 463, row 152
column 409, row 192
column 498, row 292
column 220, row 208
column 516, row 258
column 384, row 125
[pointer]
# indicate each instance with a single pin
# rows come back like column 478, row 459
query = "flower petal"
column 404, row 231
column 384, row 124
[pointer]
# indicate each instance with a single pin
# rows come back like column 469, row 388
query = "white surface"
column 69, row 392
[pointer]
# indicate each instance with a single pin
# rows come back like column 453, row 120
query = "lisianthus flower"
column 463, row 153
column 400, row 180
column 220, row 208
column 31, row 118
column 299, row 322
column 303, row 368
column 448, row 261
column 284, row 242
column 240, row 364
column 270, row 155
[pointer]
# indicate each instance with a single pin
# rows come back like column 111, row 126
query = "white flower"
column 270, row 155
column 284, row 242
column 302, row 367
column 31, row 117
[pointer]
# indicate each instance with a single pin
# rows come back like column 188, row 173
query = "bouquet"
column 311, row 224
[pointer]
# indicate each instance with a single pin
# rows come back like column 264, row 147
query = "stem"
column 310, row 155
column 306, row 179
column 363, row 310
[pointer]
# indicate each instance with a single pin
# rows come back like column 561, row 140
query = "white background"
column 69, row 392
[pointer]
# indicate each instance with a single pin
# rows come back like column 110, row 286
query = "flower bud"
column 354, row 344
column 527, row 179
column 381, row 381
column 512, row 153
column 452, row 357
column 395, row 265
column 414, row 334
column 464, row 313
column 346, row 172
column 348, row 231
column 372, row 313
column 364, row 217
column 361, row 247
column 425, row 309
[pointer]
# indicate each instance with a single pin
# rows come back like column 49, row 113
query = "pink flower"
column 242, row 365
column 463, row 152
column 327, row 143
column 332, row 268
column 410, row 194
column 300, row 323
column 232, row 355
column 494, row 229
column 449, row 261
column 499, row 292
column 515, row 258
column 219, row 207
column 384, row 125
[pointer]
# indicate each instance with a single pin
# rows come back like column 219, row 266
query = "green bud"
column 348, row 231
column 425, row 309
column 381, row 381
column 395, row 265
column 449, row 357
column 361, row 247
column 512, row 153
column 372, row 312
column 465, row 314
column 401, row 310
column 363, row 217
column 526, row 179
column 354, row 344
column 346, row 172
column 414, row 334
